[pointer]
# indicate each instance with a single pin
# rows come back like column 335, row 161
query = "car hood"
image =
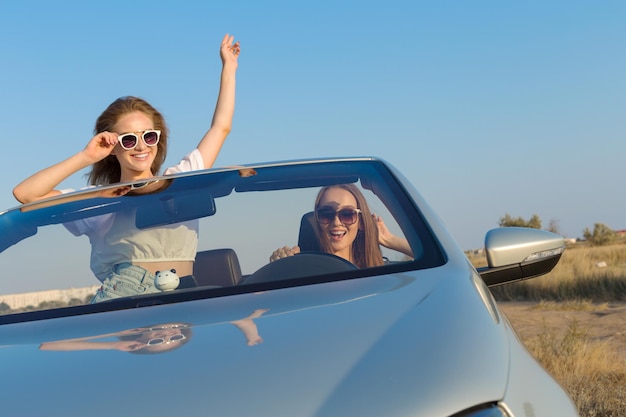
column 420, row 343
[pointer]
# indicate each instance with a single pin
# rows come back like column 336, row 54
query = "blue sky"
column 488, row 107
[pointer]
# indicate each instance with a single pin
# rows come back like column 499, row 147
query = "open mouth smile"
column 337, row 234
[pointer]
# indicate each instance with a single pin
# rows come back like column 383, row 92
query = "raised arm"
column 389, row 240
column 43, row 183
column 221, row 124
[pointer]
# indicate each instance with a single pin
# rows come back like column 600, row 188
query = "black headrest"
column 217, row 267
column 307, row 238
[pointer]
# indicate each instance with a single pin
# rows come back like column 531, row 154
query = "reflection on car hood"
column 386, row 345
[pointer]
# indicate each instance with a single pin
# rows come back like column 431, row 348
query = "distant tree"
column 74, row 302
column 601, row 235
column 508, row 221
column 4, row 308
column 46, row 305
column 534, row 222
column 554, row 227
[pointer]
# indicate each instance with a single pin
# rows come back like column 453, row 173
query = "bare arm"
column 43, row 183
column 221, row 124
column 91, row 343
column 389, row 240
column 121, row 345
column 249, row 328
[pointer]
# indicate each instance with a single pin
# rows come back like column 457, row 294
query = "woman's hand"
column 229, row 51
column 100, row 146
column 42, row 184
column 389, row 240
column 284, row 252
column 384, row 235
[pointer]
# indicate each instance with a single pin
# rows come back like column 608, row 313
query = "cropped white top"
column 115, row 239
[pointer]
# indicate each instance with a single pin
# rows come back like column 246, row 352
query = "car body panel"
column 379, row 333
column 415, row 337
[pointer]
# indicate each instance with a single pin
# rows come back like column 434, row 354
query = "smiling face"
column 135, row 163
column 339, row 236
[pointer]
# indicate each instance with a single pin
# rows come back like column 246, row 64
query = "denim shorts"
column 128, row 279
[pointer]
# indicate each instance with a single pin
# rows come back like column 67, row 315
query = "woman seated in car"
column 345, row 227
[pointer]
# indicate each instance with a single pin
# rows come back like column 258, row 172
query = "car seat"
column 217, row 267
column 307, row 238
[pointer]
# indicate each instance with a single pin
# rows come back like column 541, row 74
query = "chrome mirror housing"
column 518, row 253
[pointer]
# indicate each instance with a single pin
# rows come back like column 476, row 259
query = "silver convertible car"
column 319, row 288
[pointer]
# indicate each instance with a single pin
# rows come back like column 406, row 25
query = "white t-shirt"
column 115, row 239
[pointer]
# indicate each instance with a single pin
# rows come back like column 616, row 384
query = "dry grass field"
column 573, row 320
column 583, row 345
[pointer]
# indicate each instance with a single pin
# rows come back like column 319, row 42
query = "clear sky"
column 488, row 107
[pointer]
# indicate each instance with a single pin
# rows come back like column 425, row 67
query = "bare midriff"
column 183, row 268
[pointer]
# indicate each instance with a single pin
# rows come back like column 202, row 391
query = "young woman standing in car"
column 130, row 144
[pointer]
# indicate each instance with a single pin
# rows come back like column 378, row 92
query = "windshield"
column 211, row 229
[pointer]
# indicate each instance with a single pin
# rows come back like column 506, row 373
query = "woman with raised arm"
column 130, row 144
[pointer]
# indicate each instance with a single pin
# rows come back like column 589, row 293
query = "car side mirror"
column 518, row 253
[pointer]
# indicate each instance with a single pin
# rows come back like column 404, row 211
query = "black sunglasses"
column 130, row 140
column 346, row 216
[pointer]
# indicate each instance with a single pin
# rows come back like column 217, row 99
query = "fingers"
column 380, row 224
column 235, row 49
column 100, row 146
column 284, row 252
column 228, row 46
column 105, row 139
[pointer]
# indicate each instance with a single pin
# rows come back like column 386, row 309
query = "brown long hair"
column 365, row 248
column 108, row 171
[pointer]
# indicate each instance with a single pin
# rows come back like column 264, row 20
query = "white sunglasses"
column 130, row 140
